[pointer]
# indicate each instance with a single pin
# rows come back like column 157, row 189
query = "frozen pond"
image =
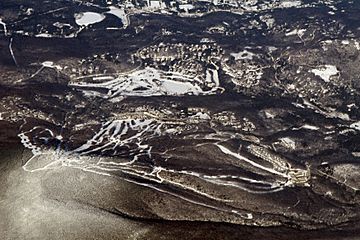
column 88, row 18
column 120, row 13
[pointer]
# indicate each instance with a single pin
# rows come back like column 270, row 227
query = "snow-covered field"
column 151, row 82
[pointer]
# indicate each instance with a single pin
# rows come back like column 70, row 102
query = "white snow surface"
column 243, row 55
column 88, row 18
column 325, row 72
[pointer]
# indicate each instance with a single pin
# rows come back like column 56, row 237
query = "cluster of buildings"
column 296, row 176
column 180, row 51
column 191, row 59
column 175, row 5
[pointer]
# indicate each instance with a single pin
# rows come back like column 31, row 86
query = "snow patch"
column 186, row 7
column 299, row 32
column 325, row 72
column 201, row 116
column 50, row 64
column 356, row 126
column 243, row 55
column 289, row 4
